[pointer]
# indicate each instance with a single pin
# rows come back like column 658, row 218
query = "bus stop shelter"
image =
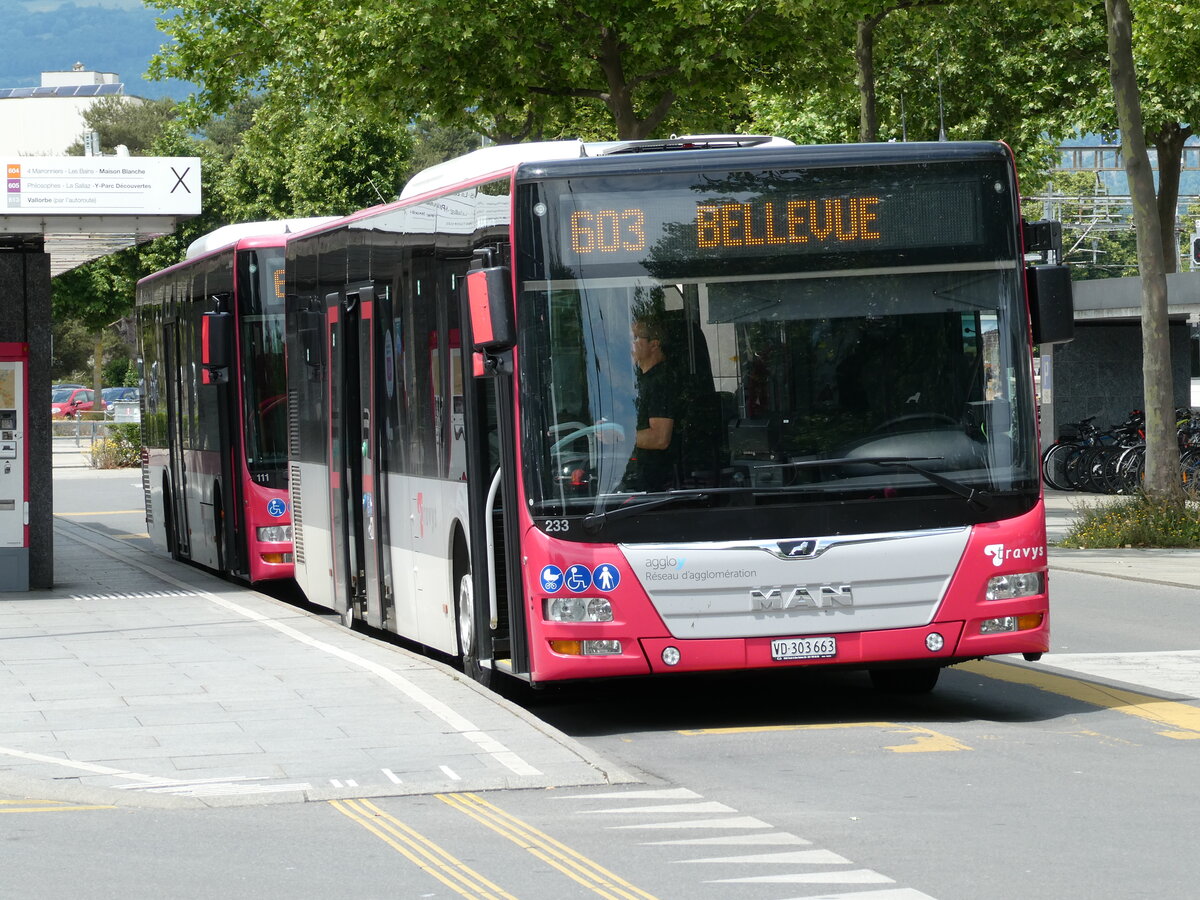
column 59, row 213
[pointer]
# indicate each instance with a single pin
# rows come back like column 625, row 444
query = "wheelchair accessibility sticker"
column 276, row 507
column 578, row 578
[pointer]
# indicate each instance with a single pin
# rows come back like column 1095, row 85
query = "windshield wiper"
column 970, row 494
column 593, row 522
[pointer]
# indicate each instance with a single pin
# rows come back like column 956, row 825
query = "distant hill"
column 118, row 38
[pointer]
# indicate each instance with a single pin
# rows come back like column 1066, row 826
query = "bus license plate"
column 804, row 648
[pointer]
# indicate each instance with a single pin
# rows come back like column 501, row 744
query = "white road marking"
column 705, row 807
column 734, row 822
column 775, row 838
column 791, row 858
column 852, row 876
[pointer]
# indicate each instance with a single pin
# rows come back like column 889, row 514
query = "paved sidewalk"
column 138, row 680
column 1176, row 567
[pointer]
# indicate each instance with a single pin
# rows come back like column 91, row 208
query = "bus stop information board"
column 102, row 185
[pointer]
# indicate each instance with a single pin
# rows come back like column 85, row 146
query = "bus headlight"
column 1006, row 587
column 578, row 609
column 1011, row 623
column 275, row 534
column 586, row 648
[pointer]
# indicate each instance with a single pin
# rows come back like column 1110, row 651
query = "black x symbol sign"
column 179, row 179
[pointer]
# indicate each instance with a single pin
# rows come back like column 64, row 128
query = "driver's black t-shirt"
column 657, row 398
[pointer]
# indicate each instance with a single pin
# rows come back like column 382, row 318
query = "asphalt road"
column 1072, row 777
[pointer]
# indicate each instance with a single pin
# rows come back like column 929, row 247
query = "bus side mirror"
column 216, row 347
column 1051, row 307
column 489, row 299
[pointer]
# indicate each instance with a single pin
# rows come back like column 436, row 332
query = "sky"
column 117, row 36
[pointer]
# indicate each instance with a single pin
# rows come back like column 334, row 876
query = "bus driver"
column 652, row 464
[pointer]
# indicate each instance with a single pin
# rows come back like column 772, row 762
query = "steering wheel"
column 931, row 417
column 587, row 431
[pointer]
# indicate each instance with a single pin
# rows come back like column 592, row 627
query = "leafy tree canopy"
column 510, row 71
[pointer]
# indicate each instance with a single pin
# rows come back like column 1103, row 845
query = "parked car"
column 111, row 395
column 68, row 403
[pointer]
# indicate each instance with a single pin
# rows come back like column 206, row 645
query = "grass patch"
column 1135, row 521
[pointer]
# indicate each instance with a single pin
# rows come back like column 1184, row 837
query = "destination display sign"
column 772, row 215
column 102, row 185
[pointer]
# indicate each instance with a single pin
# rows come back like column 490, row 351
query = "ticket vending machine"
column 14, row 467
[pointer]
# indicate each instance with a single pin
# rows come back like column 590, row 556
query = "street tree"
column 505, row 70
column 128, row 122
column 967, row 68
column 1162, row 448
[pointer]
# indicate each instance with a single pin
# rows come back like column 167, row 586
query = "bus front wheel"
column 468, row 638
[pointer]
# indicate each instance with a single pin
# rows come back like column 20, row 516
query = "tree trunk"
column 98, row 376
column 1169, row 141
column 619, row 98
column 864, row 58
column 1162, row 448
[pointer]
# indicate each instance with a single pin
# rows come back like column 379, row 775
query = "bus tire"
column 915, row 680
column 468, row 639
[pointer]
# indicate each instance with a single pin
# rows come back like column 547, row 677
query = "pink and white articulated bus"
column 214, row 402
column 574, row 411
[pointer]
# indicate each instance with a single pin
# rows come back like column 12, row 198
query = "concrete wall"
column 25, row 318
column 1100, row 374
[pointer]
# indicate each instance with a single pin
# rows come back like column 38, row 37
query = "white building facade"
column 46, row 120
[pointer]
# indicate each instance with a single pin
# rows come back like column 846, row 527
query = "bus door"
column 353, row 443
column 489, row 414
column 175, row 492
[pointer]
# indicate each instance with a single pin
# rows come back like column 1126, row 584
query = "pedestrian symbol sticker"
column 551, row 579
column 606, row 577
column 578, row 578
column 276, row 507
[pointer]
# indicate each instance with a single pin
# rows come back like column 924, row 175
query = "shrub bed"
column 1136, row 521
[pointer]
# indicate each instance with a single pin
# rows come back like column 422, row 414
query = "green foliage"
column 511, row 71
column 1136, row 521
column 312, row 162
column 121, row 449
column 116, row 366
column 126, row 121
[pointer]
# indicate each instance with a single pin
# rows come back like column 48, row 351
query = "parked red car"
column 68, row 403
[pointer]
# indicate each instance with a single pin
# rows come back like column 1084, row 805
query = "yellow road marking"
column 1182, row 719
column 131, row 537
column 574, row 865
column 26, row 806
column 421, row 851
column 924, row 740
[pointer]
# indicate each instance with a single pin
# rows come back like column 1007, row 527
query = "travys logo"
column 999, row 553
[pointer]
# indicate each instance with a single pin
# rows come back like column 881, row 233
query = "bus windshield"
column 264, row 378
column 807, row 336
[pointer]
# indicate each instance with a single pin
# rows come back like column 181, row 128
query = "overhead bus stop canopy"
column 79, row 208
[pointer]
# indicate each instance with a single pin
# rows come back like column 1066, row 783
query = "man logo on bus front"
column 797, row 548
